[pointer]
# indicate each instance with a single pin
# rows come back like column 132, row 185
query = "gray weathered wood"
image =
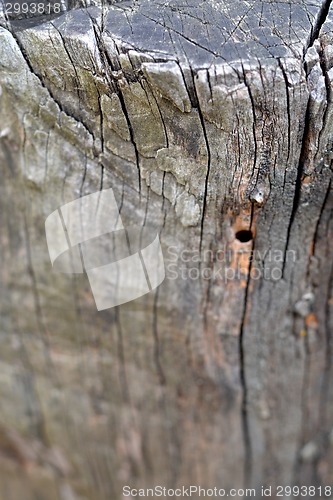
column 206, row 119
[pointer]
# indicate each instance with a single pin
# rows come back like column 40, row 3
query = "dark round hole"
column 244, row 236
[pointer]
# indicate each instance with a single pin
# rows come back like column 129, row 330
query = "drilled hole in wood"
column 244, row 236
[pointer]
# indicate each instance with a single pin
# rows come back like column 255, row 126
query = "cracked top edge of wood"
column 204, row 32
column 199, row 33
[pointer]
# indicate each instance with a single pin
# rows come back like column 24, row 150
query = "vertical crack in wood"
column 327, row 376
column 319, row 22
column 205, row 191
column 327, row 379
column 324, row 69
column 321, row 438
column 157, row 350
column 121, row 359
column 115, row 85
column 243, row 379
column 298, row 181
column 288, row 109
column 45, row 86
column 315, row 33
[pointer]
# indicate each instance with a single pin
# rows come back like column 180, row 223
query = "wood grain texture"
column 206, row 119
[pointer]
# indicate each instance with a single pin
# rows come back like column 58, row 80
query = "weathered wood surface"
column 206, row 118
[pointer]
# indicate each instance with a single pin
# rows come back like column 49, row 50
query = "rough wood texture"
column 206, row 118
